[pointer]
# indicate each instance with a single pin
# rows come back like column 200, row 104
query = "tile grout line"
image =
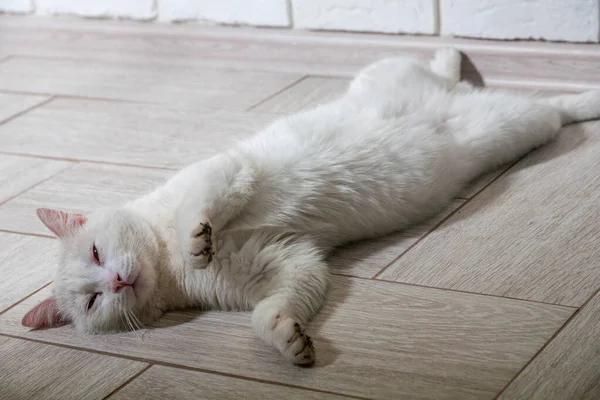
column 178, row 366
column 445, row 219
column 76, row 97
column 277, row 93
column 128, row 381
column 129, row 102
column 37, row 184
column 25, row 111
column 27, row 234
column 545, row 345
column 24, row 298
column 497, row 296
column 80, row 160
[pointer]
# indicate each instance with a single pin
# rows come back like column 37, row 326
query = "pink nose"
column 118, row 283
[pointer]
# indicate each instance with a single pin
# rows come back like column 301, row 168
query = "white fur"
column 391, row 152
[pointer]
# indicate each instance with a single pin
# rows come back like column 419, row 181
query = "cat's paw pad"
column 201, row 250
column 293, row 343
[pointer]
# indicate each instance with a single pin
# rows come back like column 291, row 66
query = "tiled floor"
column 496, row 296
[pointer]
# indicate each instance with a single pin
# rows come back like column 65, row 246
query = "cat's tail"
column 576, row 107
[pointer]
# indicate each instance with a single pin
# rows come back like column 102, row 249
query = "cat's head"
column 106, row 275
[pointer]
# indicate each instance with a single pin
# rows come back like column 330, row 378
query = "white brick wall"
column 563, row 20
column 568, row 20
column 390, row 16
column 134, row 9
column 252, row 12
column 16, row 6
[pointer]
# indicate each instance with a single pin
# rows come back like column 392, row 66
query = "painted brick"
column 568, row 20
column 16, row 6
column 252, row 12
column 389, row 16
column 134, row 9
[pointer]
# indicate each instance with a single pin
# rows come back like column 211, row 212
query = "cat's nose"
column 118, row 283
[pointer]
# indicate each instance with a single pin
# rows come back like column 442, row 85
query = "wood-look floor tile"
column 26, row 264
column 159, row 383
column 13, row 104
column 366, row 258
column 38, row 371
column 307, row 93
column 532, row 234
column 373, row 339
column 82, row 188
column 148, row 82
column 569, row 367
column 21, row 173
column 127, row 133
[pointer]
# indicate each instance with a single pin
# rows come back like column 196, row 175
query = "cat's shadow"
column 326, row 351
column 469, row 73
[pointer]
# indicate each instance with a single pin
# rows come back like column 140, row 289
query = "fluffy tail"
column 576, row 107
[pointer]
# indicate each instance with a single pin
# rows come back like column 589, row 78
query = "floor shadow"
column 469, row 73
column 174, row 318
column 327, row 353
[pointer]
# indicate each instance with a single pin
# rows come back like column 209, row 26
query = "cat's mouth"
column 138, row 286
column 135, row 286
column 131, row 283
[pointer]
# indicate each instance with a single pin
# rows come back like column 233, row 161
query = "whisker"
column 138, row 320
column 123, row 321
column 133, row 321
column 129, row 323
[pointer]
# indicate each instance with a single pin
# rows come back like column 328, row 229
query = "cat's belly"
column 236, row 278
column 340, row 195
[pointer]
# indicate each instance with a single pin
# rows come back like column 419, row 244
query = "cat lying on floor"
column 249, row 229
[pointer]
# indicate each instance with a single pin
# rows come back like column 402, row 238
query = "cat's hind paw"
column 446, row 63
column 200, row 249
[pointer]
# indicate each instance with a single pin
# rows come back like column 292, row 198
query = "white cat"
column 250, row 228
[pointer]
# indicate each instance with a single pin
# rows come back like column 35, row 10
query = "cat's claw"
column 201, row 250
column 294, row 344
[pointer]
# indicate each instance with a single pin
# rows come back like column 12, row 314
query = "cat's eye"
column 92, row 300
column 95, row 254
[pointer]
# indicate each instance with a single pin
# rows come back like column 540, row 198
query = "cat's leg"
column 397, row 74
column 293, row 297
column 491, row 129
column 215, row 194
column 576, row 107
column 399, row 77
column 446, row 64
column 401, row 85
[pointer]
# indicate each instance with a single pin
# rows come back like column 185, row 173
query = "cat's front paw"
column 199, row 251
column 292, row 342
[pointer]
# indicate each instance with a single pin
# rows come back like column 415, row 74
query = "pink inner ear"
column 59, row 222
column 45, row 315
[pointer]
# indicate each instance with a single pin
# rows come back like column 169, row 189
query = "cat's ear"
column 59, row 222
column 44, row 315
